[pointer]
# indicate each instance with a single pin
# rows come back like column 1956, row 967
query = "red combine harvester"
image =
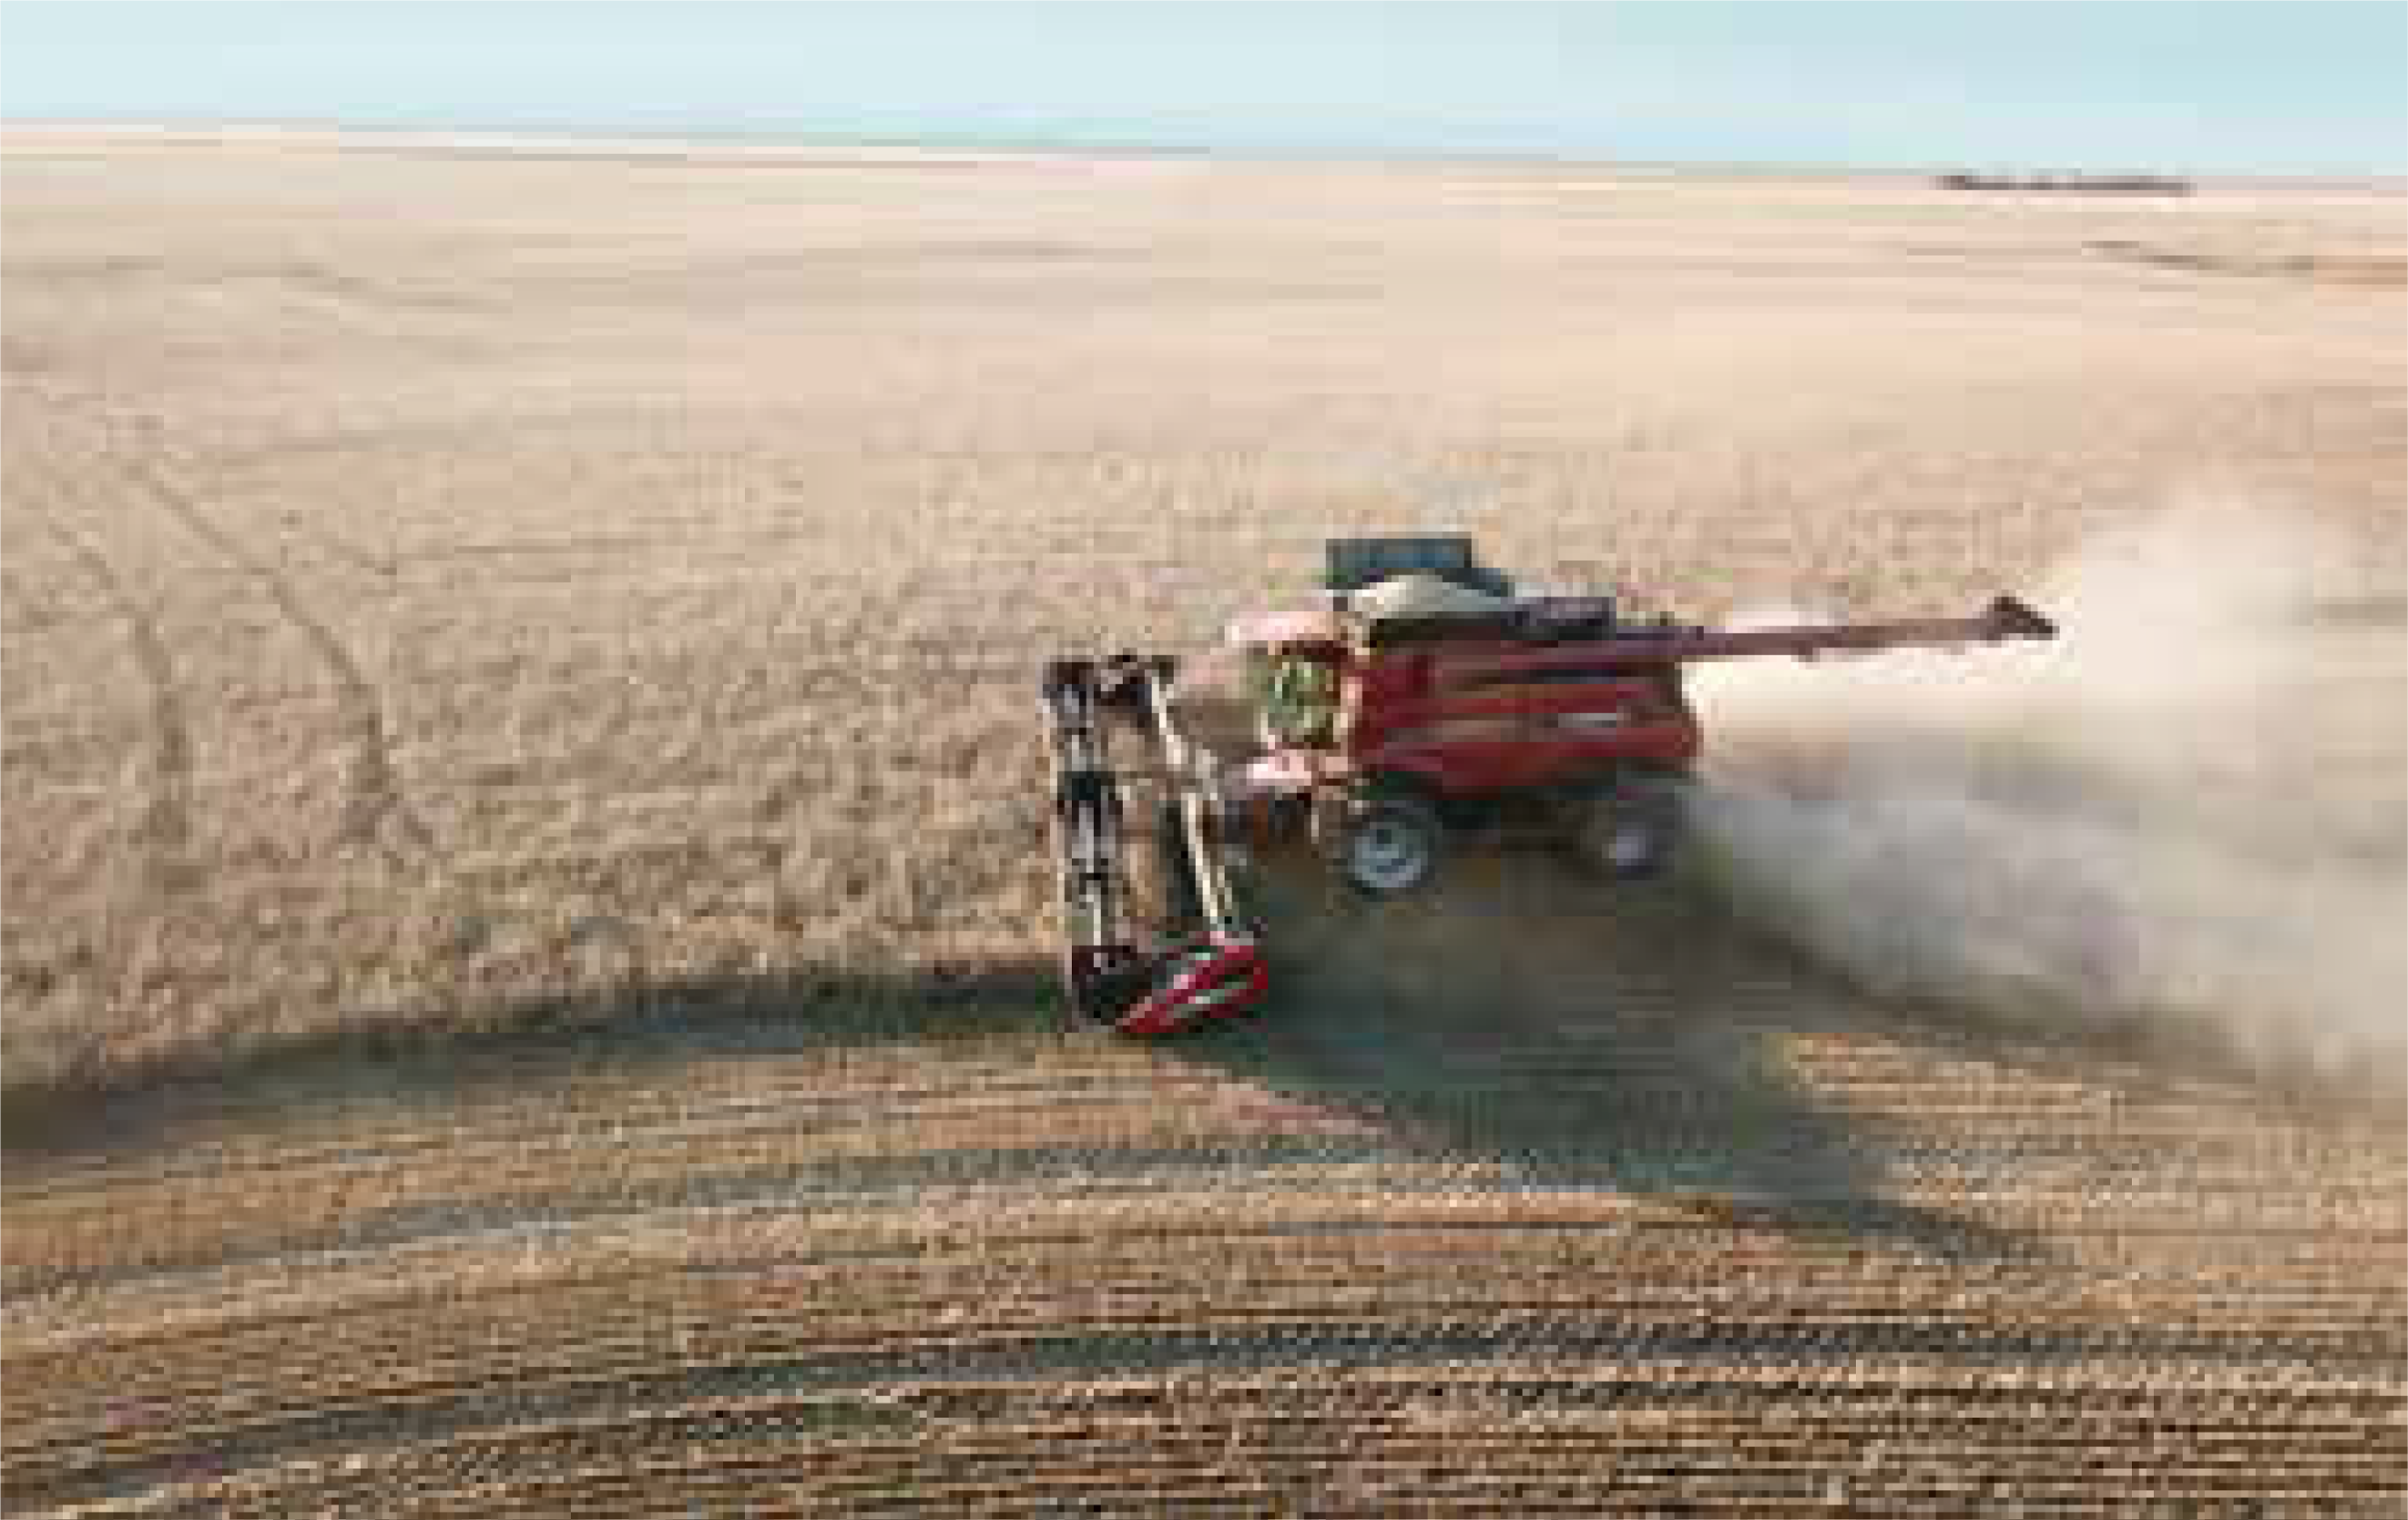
column 1423, row 704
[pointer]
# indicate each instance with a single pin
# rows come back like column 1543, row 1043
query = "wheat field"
column 524, row 847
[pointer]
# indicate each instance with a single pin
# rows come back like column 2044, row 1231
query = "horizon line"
column 1071, row 145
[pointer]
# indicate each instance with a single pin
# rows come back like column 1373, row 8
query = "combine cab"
column 1423, row 705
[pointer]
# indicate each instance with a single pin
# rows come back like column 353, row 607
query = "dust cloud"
column 2186, row 817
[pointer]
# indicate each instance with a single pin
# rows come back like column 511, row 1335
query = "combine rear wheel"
column 1630, row 834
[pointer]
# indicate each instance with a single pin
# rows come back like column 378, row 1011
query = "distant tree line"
column 2093, row 184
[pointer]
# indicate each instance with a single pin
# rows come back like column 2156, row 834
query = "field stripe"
column 2140, row 1365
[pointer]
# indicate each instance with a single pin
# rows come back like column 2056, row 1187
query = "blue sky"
column 2309, row 86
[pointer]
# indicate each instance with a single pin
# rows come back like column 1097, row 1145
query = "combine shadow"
column 1585, row 1040
column 1635, row 1041
column 526, row 1046
column 1628, row 1039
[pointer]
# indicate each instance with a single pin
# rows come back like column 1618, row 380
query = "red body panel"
column 1469, row 767
column 1468, row 720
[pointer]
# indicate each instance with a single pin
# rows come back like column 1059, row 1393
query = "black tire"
column 1632, row 833
column 1387, row 846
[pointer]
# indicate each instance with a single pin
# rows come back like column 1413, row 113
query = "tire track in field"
column 166, row 829
column 376, row 800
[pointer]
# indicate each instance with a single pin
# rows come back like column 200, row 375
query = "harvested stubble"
column 525, row 990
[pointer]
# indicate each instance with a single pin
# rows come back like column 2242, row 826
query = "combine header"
column 1423, row 704
column 1198, row 959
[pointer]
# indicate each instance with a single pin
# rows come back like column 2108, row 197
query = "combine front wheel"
column 1386, row 846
